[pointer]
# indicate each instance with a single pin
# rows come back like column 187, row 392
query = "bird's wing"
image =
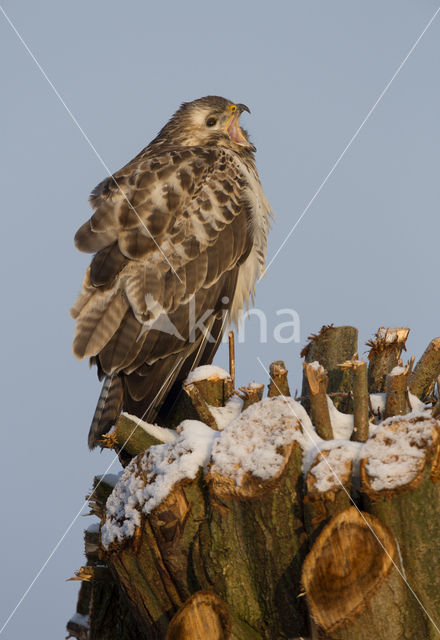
column 169, row 234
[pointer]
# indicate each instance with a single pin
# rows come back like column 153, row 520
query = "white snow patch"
column 342, row 423
column 378, row 401
column 148, row 479
column 394, row 452
column 317, row 367
column 416, row 404
column 160, row 433
column 397, row 371
column 224, row 415
column 93, row 528
column 250, row 443
column 206, row 371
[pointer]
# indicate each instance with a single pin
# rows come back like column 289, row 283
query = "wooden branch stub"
column 231, row 342
column 91, row 545
column 317, row 380
column 330, row 347
column 200, row 405
column 132, row 436
column 426, row 371
column 397, row 392
column 98, row 497
column 95, row 573
column 385, row 350
column 314, row 337
column 361, row 400
column 213, row 391
column 251, row 394
column 204, row 615
column 278, row 385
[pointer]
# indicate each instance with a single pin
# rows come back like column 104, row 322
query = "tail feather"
column 107, row 410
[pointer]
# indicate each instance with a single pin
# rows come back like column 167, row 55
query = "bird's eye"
column 211, row 121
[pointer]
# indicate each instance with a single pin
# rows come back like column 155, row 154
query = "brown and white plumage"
column 179, row 235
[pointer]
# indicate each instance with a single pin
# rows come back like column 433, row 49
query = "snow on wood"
column 149, row 478
column 160, row 433
column 251, row 443
column 396, row 451
column 333, row 465
column 247, row 444
column 342, row 423
column 224, row 415
column 206, row 371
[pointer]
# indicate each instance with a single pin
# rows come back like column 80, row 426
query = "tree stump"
column 217, row 528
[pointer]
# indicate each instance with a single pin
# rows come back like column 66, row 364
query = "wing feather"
column 97, row 323
column 188, row 220
column 106, row 265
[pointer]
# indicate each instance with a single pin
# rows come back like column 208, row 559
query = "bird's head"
column 207, row 121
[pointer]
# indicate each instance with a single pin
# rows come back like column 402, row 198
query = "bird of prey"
column 179, row 240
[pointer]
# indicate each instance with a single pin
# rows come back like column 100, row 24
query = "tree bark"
column 331, row 346
column 154, row 566
column 252, row 547
column 426, row 371
column 397, row 392
column 278, row 385
column 251, row 394
column 319, row 412
column 361, row 400
column 412, row 510
column 104, row 612
column 385, row 350
column 323, row 502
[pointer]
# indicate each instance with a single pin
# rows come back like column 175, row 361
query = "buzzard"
column 179, row 239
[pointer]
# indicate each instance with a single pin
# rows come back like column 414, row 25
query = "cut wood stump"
column 352, row 586
column 204, row 615
column 260, row 519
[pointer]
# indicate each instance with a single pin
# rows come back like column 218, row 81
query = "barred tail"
column 107, row 410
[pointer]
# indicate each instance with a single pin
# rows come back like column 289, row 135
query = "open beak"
column 233, row 128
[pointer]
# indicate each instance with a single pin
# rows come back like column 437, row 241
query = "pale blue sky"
column 365, row 253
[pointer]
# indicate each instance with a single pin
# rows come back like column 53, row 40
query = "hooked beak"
column 233, row 128
column 243, row 107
